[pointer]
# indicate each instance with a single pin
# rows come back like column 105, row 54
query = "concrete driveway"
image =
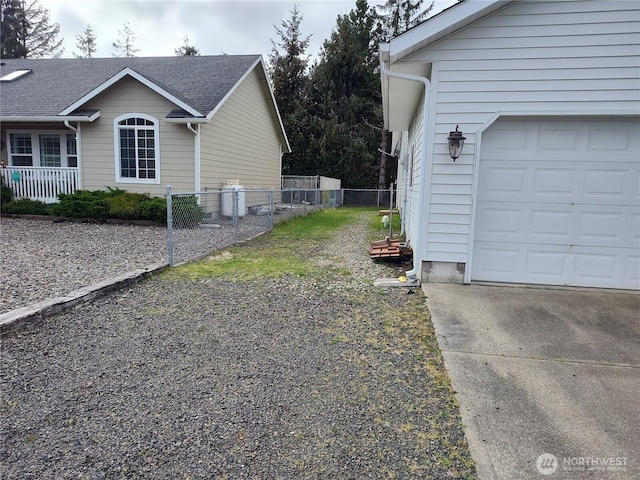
column 548, row 380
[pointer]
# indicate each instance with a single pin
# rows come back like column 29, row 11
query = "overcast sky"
column 213, row 26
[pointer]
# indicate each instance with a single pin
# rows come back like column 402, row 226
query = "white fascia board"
column 383, row 55
column 458, row 15
column 184, row 121
column 127, row 71
column 50, row 118
column 273, row 98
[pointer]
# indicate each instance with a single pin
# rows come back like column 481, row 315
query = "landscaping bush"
column 100, row 205
column 154, row 209
column 6, row 194
column 26, row 206
column 83, row 204
column 127, row 205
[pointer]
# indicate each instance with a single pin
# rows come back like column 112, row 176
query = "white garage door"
column 558, row 203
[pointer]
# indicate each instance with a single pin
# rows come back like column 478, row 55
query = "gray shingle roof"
column 199, row 81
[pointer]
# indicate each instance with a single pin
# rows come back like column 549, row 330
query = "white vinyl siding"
column 412, row 144
column 243, row 140
column 176, row 142
column 548, row 57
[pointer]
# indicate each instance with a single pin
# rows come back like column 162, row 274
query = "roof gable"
column 132, row 73
column 195, row 84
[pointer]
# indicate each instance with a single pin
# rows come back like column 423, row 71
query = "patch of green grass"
column 283, row 251
column 316, row 226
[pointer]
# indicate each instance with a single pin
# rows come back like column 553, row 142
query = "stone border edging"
column 15, row 319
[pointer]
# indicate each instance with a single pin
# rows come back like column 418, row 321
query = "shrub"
column 6, row 194
column 127, row 205
column 154, row 209
column 26, row 206
column 83, row 204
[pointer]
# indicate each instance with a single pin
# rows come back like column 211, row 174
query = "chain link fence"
column 366, row 197
column 199, row 223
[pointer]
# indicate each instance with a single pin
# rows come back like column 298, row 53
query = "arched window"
column 136, row 147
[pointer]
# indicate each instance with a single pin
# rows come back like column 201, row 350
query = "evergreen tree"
column 288, row 65
column 26, row 31
column 187, row 50
column 124, row 45
column 398, row 16
column 86, row 43
column 346, row 100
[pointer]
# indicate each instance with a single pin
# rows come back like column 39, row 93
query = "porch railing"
column 40, row 183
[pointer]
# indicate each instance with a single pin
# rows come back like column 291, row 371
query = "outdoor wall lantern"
column 456, row 142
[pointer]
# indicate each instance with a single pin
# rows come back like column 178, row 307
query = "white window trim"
column 35, row 146
column 116, row 148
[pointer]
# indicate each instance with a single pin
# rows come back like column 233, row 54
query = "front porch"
column 40, row 183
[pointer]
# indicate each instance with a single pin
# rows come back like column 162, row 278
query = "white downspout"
column 413, row 273
column 76, row 130
column 196, row 148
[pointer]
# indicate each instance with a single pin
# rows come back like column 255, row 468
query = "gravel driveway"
column 322, row 376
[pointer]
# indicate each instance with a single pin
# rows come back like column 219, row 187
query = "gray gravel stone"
column 322, row 376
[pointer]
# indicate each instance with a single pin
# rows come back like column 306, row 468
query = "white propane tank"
column 227, row 198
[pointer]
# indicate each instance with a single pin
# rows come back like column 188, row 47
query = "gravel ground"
column 41, row 259
column 322, row 376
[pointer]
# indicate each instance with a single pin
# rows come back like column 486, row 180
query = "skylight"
column 10, row 77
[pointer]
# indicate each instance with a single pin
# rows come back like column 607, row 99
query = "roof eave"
column 441, row 25
column 186, row 120
column 50, row 118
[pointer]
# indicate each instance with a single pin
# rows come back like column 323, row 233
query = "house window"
column 137, row 149
column 72, row 150
column 43, row 149
column 21, row 152
column 50, row 150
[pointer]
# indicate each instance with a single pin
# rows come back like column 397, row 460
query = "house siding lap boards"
column 243, row 146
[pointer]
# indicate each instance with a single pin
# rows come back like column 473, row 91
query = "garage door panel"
column 606, row 226
column 559, row 203
column 613, row 269
column 600, row 184
column 509, row 262
column 549, row 182
column 554, row 181
column 524, row 223
column 632, row 271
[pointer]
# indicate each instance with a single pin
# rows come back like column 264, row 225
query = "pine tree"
column 86, row 43
column 26, row 31
column 346, row 100
column 124, row 45
column 288, row 65
column 398, row 16
column 186, row 50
